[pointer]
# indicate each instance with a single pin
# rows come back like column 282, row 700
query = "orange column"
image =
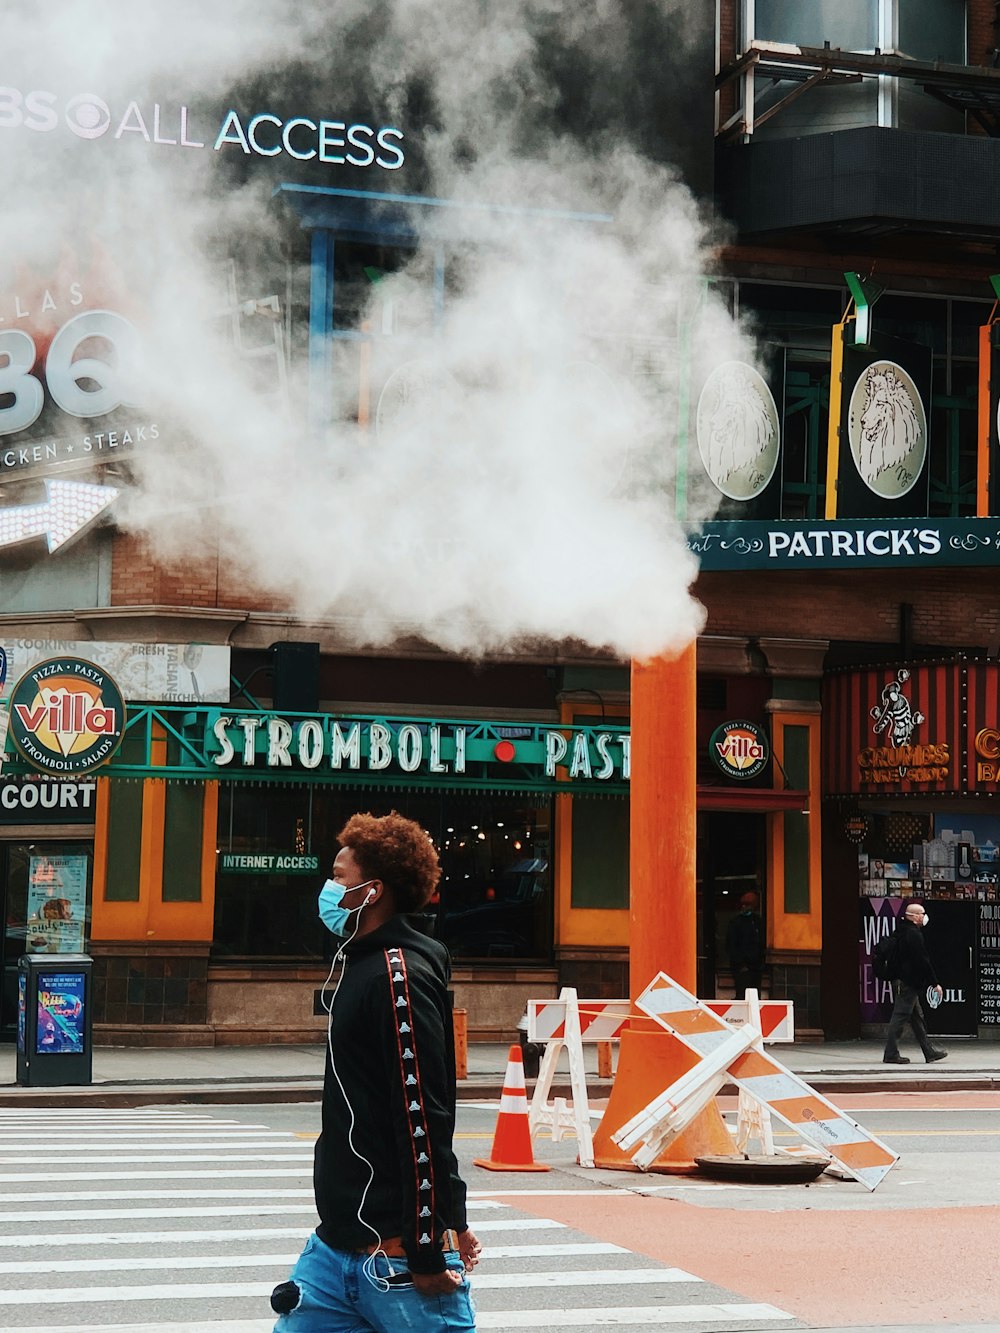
column 663, row 934
column 663, row 923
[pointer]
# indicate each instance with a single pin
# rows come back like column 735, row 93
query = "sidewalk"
column 129, row 1076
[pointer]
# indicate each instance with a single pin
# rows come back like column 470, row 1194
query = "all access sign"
column 66, row 716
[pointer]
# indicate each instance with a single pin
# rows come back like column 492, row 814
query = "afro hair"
column 397, row 851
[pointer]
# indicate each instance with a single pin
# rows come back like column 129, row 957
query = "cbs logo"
column 87, row 115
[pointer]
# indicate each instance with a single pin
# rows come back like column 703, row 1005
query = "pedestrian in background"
column 914, row 973
column 745, row 945
column 393, row 1246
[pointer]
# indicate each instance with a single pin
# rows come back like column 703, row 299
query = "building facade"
column 847, row 726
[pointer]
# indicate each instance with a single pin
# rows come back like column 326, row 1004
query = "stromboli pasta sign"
column 428, row 749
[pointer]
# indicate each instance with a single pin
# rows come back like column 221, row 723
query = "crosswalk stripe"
column 647, row 1316
column 93, row 1196
column 181, row 1135
column 60, row 1239
column 53, row 1114
column 164, row 1143
column 560, row 1248
column 129, row 1264
column 172, row 1291
column 23, row 1176
column 46, row 1217
column 122, row 1214
column 614, row 1277
column 281, row 1263
column 291, row 1155
column 213, row 1326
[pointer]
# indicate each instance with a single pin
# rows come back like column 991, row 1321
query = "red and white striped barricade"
column 739, row 1055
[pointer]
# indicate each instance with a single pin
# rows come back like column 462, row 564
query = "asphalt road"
column 181, row 1219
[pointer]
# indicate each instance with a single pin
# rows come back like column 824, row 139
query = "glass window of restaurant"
column 495, row 895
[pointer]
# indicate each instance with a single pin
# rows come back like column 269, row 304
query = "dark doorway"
column 731, row 859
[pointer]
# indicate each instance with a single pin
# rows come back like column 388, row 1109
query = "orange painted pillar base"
column 648, row 1063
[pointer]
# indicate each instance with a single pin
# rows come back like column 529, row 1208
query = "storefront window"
column 926, row 30
column 849, row 24
column 932, row 30
column 495, row 898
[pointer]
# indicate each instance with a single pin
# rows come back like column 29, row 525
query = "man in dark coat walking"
column 914, row 973
column 745, row 945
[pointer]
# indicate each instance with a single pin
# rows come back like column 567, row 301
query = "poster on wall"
column 61, row 1013
column 57, row 904
column 989, row 963
column 22, row 1009
column 878, row 918
column 169, row 673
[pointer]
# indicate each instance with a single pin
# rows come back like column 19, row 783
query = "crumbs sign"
column 66, row 715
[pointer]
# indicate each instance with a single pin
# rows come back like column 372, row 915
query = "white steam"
column 518, row 478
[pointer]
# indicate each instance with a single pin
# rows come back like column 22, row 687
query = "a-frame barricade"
column 738, row 1055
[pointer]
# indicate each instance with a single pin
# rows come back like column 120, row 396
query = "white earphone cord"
column 369, row 1266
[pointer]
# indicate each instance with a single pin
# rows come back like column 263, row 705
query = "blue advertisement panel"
column 22, row 1007
column 61, row 1014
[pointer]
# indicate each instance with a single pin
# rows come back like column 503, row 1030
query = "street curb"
column 263, row 1091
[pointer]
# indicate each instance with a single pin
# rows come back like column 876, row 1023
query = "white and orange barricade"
column 737, row 1054
column 569, row 1022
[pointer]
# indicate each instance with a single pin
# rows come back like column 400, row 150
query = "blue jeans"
column 337, row 1297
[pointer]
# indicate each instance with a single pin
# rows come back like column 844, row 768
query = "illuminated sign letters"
column 88, row 116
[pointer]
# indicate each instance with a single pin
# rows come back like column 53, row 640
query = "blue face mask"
column 331, row 913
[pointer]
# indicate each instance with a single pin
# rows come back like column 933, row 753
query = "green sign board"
column 267, row 863
column 913, row 543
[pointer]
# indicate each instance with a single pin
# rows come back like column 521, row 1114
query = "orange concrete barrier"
column 604, row 1059
column 647, row 1064
column 460, row 1025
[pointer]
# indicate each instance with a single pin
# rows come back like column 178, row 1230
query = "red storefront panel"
column 893, row 730
column 982, row 759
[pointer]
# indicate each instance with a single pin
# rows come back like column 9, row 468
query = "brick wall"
column 211, row 579
column 951, row 608
column 983, row 37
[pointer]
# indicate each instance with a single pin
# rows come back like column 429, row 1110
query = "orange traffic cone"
column 512, row 1139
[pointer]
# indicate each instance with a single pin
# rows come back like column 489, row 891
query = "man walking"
column 392, row 1247
column 745, row 945
column 914, row 972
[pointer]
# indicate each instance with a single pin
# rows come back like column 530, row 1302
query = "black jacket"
column 745, row 941
column 390, row 1090
column 910, row 961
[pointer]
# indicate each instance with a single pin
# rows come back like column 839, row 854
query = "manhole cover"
column 763, row 1170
